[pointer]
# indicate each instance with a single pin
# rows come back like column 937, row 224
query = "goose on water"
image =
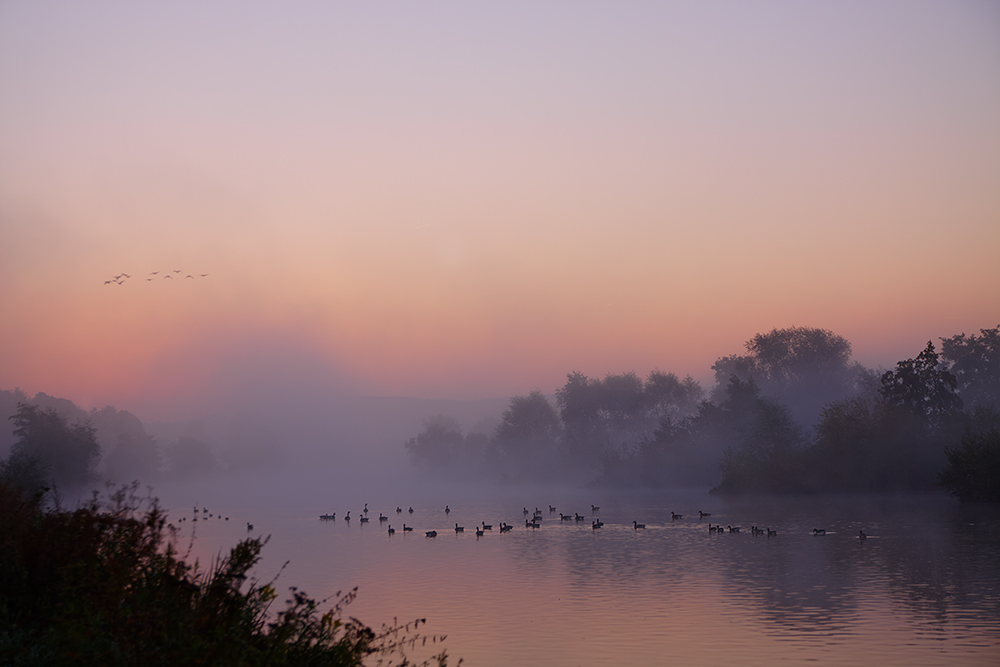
column 431, row 533
column 392, row 531
column 480, row 532
column 487, row 526
column 702, row 515
column 459, row 529
column 594, row 508
column 819, row 531
column 862, row 535
column 636, row 525
column 674, row 516
column 407, row 529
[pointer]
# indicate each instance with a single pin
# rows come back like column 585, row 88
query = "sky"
column 470, row 200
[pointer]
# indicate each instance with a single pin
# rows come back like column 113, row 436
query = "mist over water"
column 922, row 589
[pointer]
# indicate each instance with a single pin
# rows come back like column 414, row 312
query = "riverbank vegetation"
column 105, row 585
column 794, row 414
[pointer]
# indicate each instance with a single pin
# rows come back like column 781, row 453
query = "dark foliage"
column 66, row 454
column 975, row 363
column 105, row 586
column 924, row 386
column 973, row 470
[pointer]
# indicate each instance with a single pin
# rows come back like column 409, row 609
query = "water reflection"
column 924, row 588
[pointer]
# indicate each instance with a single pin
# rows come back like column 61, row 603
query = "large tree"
column 975, row 363
column 524, row 442
column 803, row 368
column 67, row 454
column 924, row 386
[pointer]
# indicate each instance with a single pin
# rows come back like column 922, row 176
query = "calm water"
column 923, row 589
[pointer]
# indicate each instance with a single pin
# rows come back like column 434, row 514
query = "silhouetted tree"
column 67, row 454
column 923, row 386
column 768, row 454
column 975, row 363
column 524, row 442
column 800, row 367
column 442, row 445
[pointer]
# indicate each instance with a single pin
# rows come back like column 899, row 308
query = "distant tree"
column 666, row 396
column 439, row 444
column 187, row 456
column 135, row 457
column 524, row 442
column 67, row 454
column 975, row 363
column 801, row 367
column 924, row 386
column 768, row 454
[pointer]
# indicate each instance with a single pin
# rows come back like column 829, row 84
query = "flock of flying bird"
column 536, row 520
column 122, row 277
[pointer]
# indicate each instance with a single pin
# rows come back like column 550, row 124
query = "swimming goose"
column 674, row 516
column 702, row 515
column 411, row 510
column 447, row 510
column 459, row 529
column 364, row 519
column 771, row 533
column 407, row 529
column 382, row 517
column 391, row 530
column 399, row 510
column 551, row 508
column 733, row 529
column 594, row 508
column 487, row 526
column 862, row 535
column 819, row 531
column 431, row 533
column 636, row 525
column 480, row 532
column 347, row 517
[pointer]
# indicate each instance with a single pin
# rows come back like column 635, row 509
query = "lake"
column 922, row 589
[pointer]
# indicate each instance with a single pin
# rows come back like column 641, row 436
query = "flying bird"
column 168, row 276
column 203, row 275
column 189, row 276
column 177, row 270
column 153, row 273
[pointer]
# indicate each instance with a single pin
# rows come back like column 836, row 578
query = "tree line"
column 54, row 444
column 792, row 414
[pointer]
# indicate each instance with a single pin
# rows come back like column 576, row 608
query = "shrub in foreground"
column 105, row 586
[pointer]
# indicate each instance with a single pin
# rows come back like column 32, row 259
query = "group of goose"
column 534, row 522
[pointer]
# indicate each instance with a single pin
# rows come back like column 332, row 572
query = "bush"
column 105, row 586
column 973, row 471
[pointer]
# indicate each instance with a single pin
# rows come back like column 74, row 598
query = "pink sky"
column 466, row 201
